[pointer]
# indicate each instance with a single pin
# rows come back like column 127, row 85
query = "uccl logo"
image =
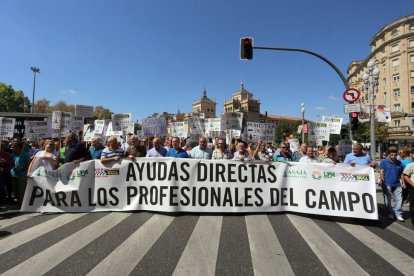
column 316, row 175
column 347, row 177
column 295, row 173
column 104, row 172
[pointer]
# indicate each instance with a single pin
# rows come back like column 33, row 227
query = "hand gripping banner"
column 186, row 185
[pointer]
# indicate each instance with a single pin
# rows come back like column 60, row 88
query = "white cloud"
column 68, row 92
column 319, row 108
column 332, row 98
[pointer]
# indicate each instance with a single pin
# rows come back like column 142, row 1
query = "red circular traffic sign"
column 351, row 95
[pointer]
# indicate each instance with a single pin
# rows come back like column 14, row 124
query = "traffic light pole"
column 333, row 66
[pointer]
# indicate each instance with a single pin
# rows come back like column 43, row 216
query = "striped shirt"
column 109, row 153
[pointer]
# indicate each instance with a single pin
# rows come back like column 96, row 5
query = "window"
column 394, row 33
column 412, row 107
column 411, row 43
column 397, row 123
column 412, row 90
column 394, row 48
column 395, row 62
column 396, row 78
column 412, row 58
column 412, row 123
column 412, row 74
column 411, row 27
column 396, row 92
column 396, row 107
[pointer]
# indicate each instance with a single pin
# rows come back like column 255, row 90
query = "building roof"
column 204, row 98
column 278, row 117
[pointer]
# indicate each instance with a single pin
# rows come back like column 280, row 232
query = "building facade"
column 392, row 49
column 243, row 101
column 205, row 105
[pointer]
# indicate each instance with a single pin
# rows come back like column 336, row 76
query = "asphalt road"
column 145, row 243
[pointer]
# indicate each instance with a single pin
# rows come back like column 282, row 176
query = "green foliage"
column 363, row 134
column 12, row 100
column 101, row 112
column 288, row 127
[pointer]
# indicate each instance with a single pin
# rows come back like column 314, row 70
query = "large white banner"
column 187, row 185
column 334, row 124
column 264, row 131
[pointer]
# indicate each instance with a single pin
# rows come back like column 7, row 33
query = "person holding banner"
column 241, row 154
column 221, row 152
column 283, row 154
column 48, row 157
column 135, row 149
column 157, row 150
column 297, row 155
column 176, row 151
column 112, row 152
column 309, row 157
column 357, row 156
column 261, row 152
column 96, row 148
column 201, row 151
column 6, row 163
column 408, row 176
column 74, row 150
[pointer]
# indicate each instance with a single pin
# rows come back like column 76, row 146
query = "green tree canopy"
column 363, row 134
column 12, row 100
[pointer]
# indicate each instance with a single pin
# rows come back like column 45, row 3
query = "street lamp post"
column 302, row 110
column 371, row 82
column 35, row 70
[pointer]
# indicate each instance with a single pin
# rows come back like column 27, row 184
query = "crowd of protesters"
column 17, row 157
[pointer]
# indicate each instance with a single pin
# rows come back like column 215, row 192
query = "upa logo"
column 80, row 173
column 316, row 175
column 328, row 175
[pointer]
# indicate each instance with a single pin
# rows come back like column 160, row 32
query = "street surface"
column 145, row 243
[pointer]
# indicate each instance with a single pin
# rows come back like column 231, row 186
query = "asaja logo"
column 104, row 172
column 291, row 173
column 347, row 177
column 316, row 175
column 48, row 174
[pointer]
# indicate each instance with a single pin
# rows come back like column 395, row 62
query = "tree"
column 63, row 106
column 363, row 133
column 102, row 112
column 285, row 126
column 12, row 100
column 43, row 106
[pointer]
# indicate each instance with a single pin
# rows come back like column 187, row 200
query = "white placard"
column 317, row 132
column 334, row 124
column 85, row 111
column 178, row 129
column 231, row 120
column 37, row 129
column 154, row 126
column 56, row 119
column 7, row 127
column 263, row 131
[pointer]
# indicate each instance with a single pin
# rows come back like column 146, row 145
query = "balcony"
column 401, row 130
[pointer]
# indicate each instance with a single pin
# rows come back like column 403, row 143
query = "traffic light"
column 354, row 121
column 246, row 48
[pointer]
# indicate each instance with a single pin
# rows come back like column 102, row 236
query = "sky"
column 159, row 55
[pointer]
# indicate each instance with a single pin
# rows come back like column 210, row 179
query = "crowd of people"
column 17, row 157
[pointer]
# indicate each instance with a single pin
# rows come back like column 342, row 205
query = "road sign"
column 351, row 95
column 350, row 108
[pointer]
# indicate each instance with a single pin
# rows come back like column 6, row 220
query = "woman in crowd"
column 47, row 157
